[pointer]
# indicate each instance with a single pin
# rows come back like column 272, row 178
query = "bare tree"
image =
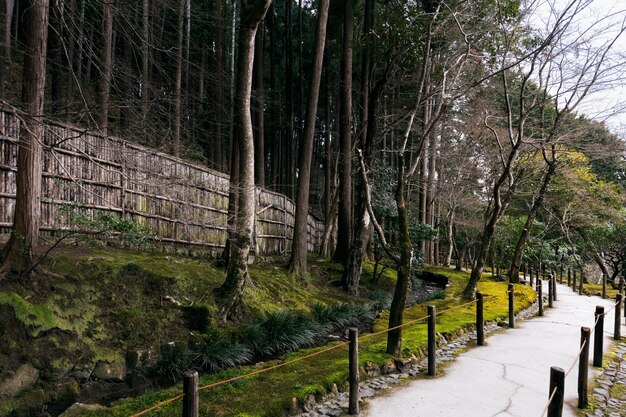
column 231, row 291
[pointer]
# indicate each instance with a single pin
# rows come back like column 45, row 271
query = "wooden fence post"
column 557, row 380
column 432, row 340
column 598, row 336
column 574, row 281
column 617, row 334
column 550, row 293
column 604, row 286
column 480, row 325
column 569, row 276
column 553, row 278
column 511, row 306
column 583, row 366
column 580, row 283
column 540, row 297
column 190, row 398
column 353, row 364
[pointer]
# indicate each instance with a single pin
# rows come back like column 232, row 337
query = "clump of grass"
column 341, row 316
column 429, row 296
column 213, row 352
column 381, row 298
column 280, row 331
column 174, row 361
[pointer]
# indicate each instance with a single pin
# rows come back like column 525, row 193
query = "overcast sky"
column 608, row 103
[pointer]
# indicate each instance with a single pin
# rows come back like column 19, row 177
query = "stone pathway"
column 506, row 378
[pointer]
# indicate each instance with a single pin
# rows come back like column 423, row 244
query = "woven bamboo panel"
column 181, row 203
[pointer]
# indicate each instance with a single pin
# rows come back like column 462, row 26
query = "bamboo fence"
column 180, row 202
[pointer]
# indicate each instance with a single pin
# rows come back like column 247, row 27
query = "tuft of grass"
column 341, row 316
column 213, row 352
column 280, row 331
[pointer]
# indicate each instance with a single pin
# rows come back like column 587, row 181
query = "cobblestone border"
column 335, row 403
column 610, row 403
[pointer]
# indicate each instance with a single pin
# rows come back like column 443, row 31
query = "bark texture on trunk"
column 298, row 261
column 259, row 107
column 18, row 254
column 231, row 292
column 344, row 229
column 107, row 54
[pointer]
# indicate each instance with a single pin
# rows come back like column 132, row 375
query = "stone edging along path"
column 335, row 403
column 607, row 399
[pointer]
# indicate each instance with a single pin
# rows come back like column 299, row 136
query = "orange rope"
column 159, row 405
column 576, row 359
column 280, row 365
column 549, row 401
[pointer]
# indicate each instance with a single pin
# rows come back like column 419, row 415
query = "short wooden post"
column 353, row 365
column 553, row 278
column 620, row 288
column 569, row 276
column 432, row 340
column 574, row 281
column 604, row 286
column 583, row 367
column 540, row 297
column 617, row 333
column 511, row 306
column 550, row 293
column 598, row 336
column 557, row 381
column 480, row 325
column 580, row 284
column 190, row 390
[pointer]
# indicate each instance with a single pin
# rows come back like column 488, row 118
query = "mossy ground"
column 271, row 393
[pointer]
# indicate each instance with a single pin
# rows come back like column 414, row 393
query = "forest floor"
column 92, row 333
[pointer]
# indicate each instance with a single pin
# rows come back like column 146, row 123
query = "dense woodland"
column 443, row 132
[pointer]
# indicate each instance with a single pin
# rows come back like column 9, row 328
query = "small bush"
column 197, row 318
column 175, row 360
column 341, row 316
column 382, row 299
column 280, row 331
column 434, row 295
column 213, row 351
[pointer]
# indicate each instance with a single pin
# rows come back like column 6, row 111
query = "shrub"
column 341, row 316
column 382, row 299
column 175, row 360
column 280, row 331
column 427, row 296
column 213, row 351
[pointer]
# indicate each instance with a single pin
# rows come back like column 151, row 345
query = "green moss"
column 36, row 318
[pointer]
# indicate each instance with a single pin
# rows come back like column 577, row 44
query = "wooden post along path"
column 557, row 391
column 432, row 340
column 480, row 323
column 511, row 294
column 353, row 365
column 598, row 336
column 583, row 366
column 191, row 400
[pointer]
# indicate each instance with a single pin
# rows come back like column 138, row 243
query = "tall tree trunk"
column 449, row 235
column 396, row 311
column 55, row 48
column 5, row 53
column 218, row 139
column 178, row 77
column 344, row 231
column 532, row 213
column 107, row 57
column 298, row 261
column 18, row 254
column 259, row 107
column 145, row 62
column 290, row 143
column 231, row 292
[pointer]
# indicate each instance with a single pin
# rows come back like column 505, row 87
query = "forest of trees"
column 419, row 131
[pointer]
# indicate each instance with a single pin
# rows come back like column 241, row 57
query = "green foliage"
column 109, row 225
column 382, row 299
column 280, row 331
column 36, row 318
column 173, row 362
column 341, row 316
column 429, row 296
column 213, row 352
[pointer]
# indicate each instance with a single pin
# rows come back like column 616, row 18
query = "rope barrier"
column 271, row 368
column 577, row 358
column 610, row 309
column 545, row 410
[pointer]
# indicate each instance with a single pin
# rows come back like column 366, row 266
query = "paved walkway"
column 509, row 376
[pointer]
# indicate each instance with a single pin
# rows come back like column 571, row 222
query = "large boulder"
column 22, row 379
column 113, row 371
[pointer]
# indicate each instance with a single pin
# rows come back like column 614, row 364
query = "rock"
column 388, row 367
column 82, row 371
column 372, row 370
column 404, row 364
column 79, row 409
column 24, row 378
column 109, row 371
column 334, row 390
column 309, row 403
